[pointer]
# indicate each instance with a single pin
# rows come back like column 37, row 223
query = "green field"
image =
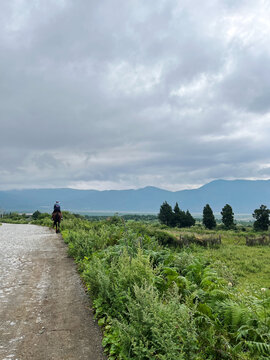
column 246, row 267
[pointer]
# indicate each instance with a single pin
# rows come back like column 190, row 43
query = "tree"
column 208, row 217
column 36, row 215
column 179, row 216
column 227, row 216
column 190, row 221
column 166, row 215
column 262, row 218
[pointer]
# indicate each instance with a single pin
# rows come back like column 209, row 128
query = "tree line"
column 179, row 218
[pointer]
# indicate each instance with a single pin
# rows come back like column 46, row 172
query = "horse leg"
column 58, row 226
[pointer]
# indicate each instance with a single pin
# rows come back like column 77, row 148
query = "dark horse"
column 56, row 217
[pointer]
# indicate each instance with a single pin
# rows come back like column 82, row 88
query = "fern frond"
column 234, row 315
column 258, row 347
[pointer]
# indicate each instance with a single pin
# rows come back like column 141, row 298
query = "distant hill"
column 243, row 195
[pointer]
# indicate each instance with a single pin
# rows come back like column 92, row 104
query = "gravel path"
column 44, row 311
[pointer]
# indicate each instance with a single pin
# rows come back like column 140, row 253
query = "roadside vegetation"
column 169, row 293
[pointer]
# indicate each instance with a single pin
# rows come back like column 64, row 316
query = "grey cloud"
column 265, row 171
column 132, row 94
column 248, row 85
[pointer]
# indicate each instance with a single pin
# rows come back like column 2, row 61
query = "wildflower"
column 229, row 284
column 263, row 289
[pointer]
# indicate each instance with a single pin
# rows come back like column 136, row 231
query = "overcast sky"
column 117, row 94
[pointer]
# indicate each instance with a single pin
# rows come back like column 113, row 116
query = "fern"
column 234, row 315
column 255, row 347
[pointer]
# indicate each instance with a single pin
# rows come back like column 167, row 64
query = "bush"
column 157, row 327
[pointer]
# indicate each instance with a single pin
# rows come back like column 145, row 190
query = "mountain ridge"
column 243, row 195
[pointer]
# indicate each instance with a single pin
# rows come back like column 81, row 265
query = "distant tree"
column 208, row 217
column 36, row 215
column 178, row 216
column 190, row 221
column 262, row 218
column 181, row 218
column 166, row 215
column 227, row 216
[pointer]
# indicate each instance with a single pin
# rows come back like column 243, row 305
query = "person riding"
column 56, row 207
column 57, row 215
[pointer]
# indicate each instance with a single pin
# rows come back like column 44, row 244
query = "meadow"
column 157, row 299
column 247, row 267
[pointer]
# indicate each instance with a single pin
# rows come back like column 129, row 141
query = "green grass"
column 248, row 266
column 244, row 266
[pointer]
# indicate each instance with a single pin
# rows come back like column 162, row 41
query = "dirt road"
column 44, row 312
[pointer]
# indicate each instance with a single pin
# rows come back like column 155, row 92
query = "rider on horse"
column 57, row 215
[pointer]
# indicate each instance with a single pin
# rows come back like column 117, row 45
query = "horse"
column 56, row 217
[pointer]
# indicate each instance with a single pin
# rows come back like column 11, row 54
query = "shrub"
column 157, row 327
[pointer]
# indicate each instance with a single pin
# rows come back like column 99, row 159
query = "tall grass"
column 158, row 301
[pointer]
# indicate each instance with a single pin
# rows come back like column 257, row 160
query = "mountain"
column 243, row 195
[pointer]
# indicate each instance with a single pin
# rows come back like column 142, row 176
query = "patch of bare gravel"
column 44, row 311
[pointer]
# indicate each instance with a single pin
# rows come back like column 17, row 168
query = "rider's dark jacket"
column 56, row 208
